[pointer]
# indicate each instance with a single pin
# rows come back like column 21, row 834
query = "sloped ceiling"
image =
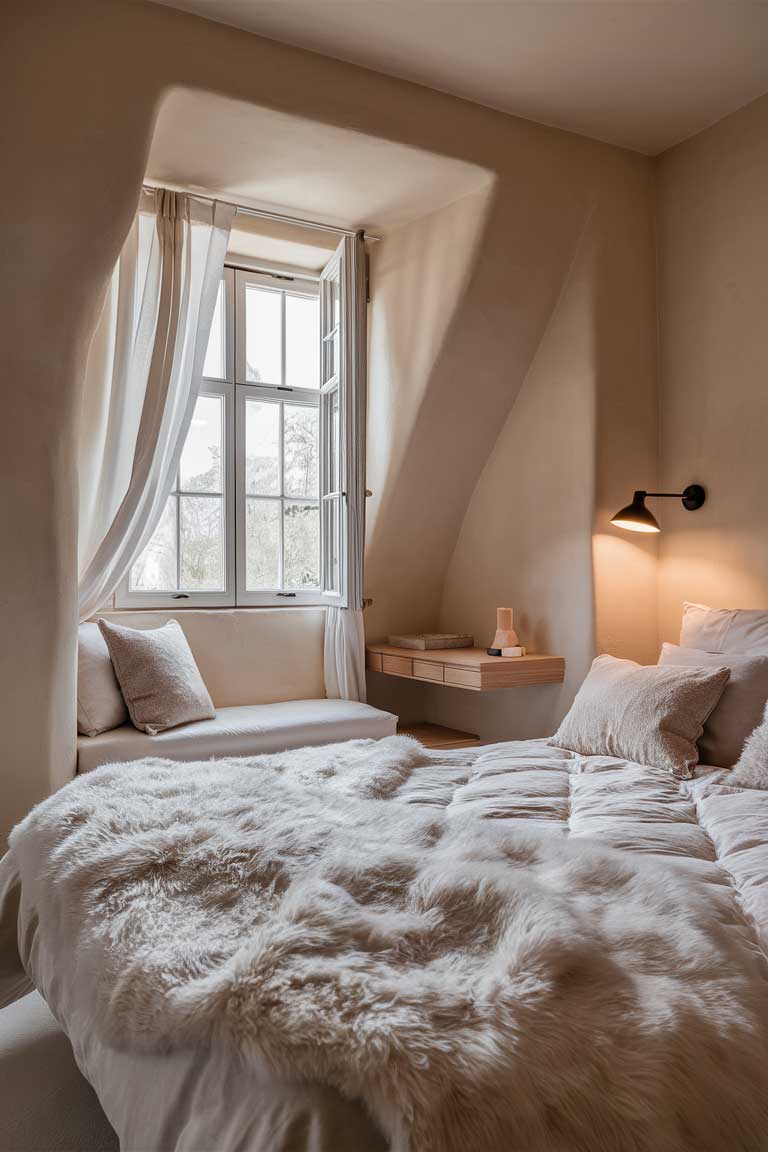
column 268, row 159
column 644, row 74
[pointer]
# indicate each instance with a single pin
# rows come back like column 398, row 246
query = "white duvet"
column 561, row 953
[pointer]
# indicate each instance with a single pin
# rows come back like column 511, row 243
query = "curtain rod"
column 262, row 213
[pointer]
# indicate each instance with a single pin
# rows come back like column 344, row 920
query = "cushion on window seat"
column 245, row 730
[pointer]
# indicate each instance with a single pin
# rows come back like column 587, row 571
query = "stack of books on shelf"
column 430, row 641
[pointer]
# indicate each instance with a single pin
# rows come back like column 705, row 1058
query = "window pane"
column 302, row 341
column 155, row 569
column 331, row 508
column 202, row 544
column 301, row 530
column 334, row 476
column 331, row 345
column 215, row 365
column 300, row 442
column 201, row 460
column 262, row 544
column 263, row 337
column 262, row 448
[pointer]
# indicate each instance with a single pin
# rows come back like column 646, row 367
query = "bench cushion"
column 246, row 730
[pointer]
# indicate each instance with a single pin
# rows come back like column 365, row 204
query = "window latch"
column 180, row 596
column 286, row 594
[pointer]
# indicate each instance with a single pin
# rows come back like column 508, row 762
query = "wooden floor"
column 436, row 736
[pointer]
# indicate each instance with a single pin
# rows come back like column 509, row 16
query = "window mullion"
column 177, row 498
column 282, row 340
column 281, row 474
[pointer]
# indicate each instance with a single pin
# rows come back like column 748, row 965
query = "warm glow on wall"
column 635, row 517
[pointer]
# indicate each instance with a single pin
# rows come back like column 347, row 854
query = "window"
column 258, row 511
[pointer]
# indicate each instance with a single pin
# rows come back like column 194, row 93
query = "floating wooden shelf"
column 470, row 668
column 436, row 736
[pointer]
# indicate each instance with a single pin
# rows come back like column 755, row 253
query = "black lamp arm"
column 692, row 497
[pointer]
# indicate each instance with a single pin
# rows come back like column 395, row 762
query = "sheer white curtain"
column 344, row 653
column 142, row 378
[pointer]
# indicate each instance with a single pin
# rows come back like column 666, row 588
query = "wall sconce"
column 636, row 517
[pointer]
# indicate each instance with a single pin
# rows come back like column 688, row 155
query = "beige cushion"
column 732, row 630
column 249, row 655
column 243, row 731
column 160, row 681
column 740, row 708
column 100, row 704
column 649, row 715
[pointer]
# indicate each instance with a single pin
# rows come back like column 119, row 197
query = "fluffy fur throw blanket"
column 479, row 989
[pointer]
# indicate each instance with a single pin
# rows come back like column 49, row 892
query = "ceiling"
column 644, row 74
column 267, row 159
column 272, row 244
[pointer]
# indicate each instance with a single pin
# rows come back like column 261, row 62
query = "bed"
column 693, row 856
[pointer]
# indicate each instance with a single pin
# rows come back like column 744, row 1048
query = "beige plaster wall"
column 526, row 536
column 77, row 122
column 419, row 276
column 713, row 304
column 535, row 535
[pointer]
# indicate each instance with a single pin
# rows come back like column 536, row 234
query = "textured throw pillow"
column 733, row 630
column 740, row 708
column 752, row 768
column 157, row 672
column 650, row 715
column 100, row 704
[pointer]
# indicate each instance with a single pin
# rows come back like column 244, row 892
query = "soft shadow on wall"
column 525, row 539
column 536, row 534
column 447, row 399
column 419, row 276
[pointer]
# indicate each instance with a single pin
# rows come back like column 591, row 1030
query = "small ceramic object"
column 505, row 637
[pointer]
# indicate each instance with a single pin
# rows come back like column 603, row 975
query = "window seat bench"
column 264, row 670
column 246, row 730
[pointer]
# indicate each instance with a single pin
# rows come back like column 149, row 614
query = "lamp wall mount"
column 635, row 517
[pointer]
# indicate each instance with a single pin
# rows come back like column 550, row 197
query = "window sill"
column 131, row 610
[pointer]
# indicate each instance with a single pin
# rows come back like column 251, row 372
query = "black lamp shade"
column 636, row 517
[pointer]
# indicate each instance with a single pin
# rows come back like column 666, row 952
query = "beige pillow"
column 740, row 708
column 100, row 704
column 158, row 675
column 650, row 715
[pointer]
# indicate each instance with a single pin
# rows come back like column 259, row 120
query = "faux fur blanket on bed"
column 479, row 989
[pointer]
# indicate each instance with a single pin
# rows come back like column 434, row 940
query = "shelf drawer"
column 428, row 670
column 462, row 677
column 397, row 665
column 373, row 661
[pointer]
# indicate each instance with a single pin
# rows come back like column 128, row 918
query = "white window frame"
column 277, row 392
column 128, row 597
column 236, row 390
column 332, row 495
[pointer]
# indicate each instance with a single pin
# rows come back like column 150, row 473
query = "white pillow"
column 740, row 708
column 648, row 715
column 736, row 630
column 157, row 672
column 752, row 768
column 100, row 703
